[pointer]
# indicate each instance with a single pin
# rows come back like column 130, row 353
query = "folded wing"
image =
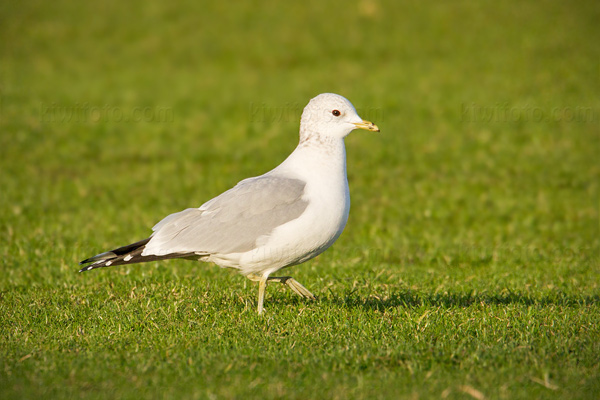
column 231, row 222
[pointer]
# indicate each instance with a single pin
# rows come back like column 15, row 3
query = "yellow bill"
column 367, row 125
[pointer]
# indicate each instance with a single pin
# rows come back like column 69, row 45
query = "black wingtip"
column 90, row 260
column 88, row 268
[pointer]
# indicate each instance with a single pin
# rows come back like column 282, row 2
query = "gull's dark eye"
column 336, row 113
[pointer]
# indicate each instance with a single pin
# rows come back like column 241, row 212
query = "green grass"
column 470, row 265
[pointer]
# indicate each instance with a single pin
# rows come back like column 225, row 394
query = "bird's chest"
column 325, row 216
column 331, row 204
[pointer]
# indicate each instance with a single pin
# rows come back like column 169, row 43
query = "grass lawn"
column 469, row 268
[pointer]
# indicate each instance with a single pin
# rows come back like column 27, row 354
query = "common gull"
column 263, row 224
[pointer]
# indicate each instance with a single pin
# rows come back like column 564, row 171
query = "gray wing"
column 233, row 221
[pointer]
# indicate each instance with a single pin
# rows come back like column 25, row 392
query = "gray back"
column 233, row 221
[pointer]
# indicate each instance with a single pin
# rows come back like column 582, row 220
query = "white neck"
column 324, row 156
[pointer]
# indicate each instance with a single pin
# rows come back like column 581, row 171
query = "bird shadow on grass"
column 412, row 299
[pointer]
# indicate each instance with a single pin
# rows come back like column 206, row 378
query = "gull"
column 263, row 224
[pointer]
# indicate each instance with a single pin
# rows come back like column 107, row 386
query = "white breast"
column 323, row 220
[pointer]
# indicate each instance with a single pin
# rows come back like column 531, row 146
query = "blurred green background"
column 482, row 185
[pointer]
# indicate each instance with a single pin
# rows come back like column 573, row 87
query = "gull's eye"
column 336, row 113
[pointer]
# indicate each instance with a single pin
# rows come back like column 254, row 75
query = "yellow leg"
column 294, row 285
column 262, row 285
column 288, row 280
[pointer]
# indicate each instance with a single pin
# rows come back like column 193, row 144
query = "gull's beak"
column 366, row 125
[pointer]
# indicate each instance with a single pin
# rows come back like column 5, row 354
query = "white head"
column 331, row 115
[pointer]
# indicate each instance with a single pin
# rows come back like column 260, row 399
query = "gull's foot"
column 296, row 286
